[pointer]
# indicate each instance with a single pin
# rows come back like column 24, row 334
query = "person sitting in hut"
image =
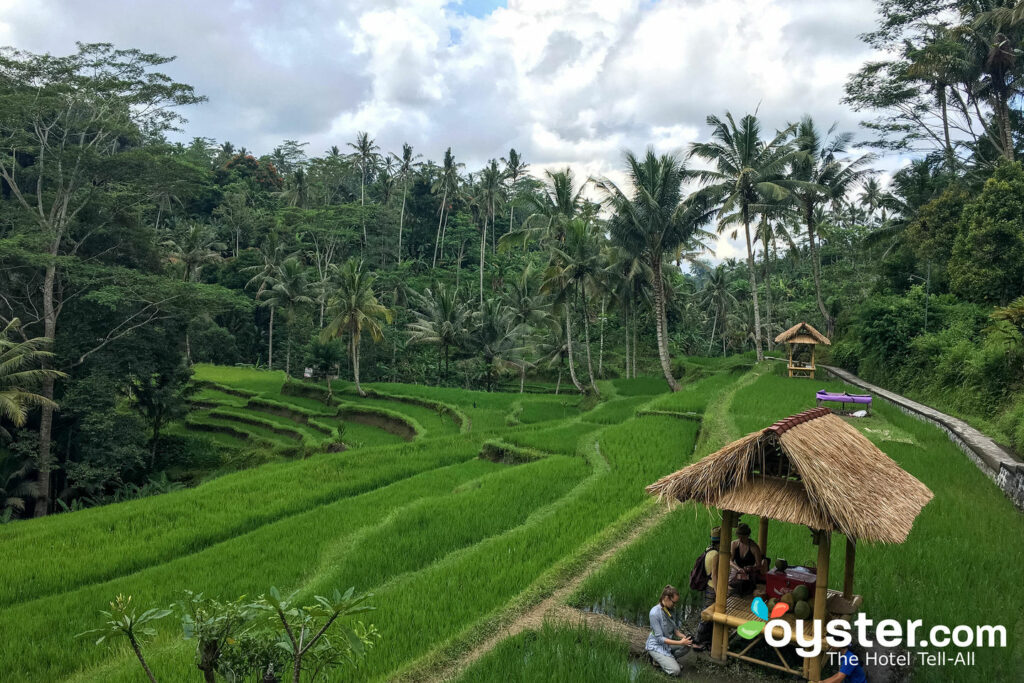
column 850, row 669
column 666, row 644
column 745, row 563
column 710, row 564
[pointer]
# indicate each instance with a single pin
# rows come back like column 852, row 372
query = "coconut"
column 781, row 565
column 801, row 592
column 788, row 599
column 802, row 610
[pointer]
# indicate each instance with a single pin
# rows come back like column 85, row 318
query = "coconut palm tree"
column 496, row 339
column 194, row 245
column 489, row 195
column 441, row 319
column 529, row 306
column 290, row 289
column 16, row 484
column 573, row 273
column 559, row 201
column 20, row 373
column 748, row 171
column 365, row 156
column 824, row 177
column 407, row 165
column 717, row 295
column 515, row 169
column 272, row 253
column 652, row 221
column 447, row 183
column 354, row 309
column 629, row 279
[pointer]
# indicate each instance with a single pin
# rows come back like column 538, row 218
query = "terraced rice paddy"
column 454, row 545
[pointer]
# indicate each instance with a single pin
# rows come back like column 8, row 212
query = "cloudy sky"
column 565, row 82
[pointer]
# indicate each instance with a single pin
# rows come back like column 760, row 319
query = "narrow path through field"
column 552, row 606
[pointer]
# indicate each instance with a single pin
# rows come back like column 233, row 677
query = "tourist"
column 666, row 644
column 710, row 557
column 745, row 562
column 850, row 669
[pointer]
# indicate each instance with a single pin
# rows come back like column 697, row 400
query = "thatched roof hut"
column 802, row 333
column 812, row 469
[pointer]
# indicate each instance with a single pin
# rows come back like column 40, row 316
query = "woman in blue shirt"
column 666, row 644
column 850, row 669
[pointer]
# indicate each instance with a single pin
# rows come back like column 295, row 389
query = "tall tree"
column 289, row 291
column 193, row 245
column 559, row 201
column 748, row 171
column 529, row 307
column 62, row 120
column 407, row 165
column 354, row 309
column 824, row 177
column 651, row 222
column 447, row 183
column 365, row 156
column 272, row 254
column 441, row 319
column 490, row 194
column 515, row 169
column 21, row 373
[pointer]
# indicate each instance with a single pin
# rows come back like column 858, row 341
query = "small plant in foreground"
column 122, row 621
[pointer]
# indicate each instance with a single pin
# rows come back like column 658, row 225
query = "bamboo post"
column 762, row 537
column 851, row 556
column 812, row 360
column 790, row 359
column 820, row 598
column 720, row 634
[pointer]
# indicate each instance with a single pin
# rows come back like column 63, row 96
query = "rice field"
column 452, row 544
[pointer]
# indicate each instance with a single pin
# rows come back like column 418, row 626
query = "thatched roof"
column 812, row 469
column 802, row 333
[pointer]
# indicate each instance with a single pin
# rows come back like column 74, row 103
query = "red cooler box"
column 778, row 583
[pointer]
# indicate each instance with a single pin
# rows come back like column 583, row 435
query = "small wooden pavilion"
column 800, row 337
column 812, row 469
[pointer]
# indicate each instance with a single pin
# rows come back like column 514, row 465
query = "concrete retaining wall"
column 999, row 464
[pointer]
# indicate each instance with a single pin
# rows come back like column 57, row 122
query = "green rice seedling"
column 365, row 538
column 551, row 408
column 616, row 410
column 561, row 439
column 250, row 379
column 560, row 654
column 114, row 540
column 640, row 386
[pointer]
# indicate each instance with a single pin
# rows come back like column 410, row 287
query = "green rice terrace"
column 462, row 511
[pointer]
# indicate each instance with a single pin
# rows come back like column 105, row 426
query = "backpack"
column 699, row 577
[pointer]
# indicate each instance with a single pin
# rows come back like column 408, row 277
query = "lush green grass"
column 640, row 386
column 536, row 409
column 560, row 439
column 114, row 540
column 560, row 655
column 616, row 410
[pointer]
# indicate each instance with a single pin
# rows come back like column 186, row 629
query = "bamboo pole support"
column 820, row 598
column 720, row 634
column 762, row 537
column 851, row 557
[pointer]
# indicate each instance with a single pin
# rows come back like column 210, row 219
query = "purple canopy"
column 823, row 395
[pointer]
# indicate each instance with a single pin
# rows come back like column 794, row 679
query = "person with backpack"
column 702, row 578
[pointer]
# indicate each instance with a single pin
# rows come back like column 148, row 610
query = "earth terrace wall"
column 995, row 461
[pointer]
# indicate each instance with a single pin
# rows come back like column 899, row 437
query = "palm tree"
column 355, row 308
column 552, row 347
column 496, row 339
column 652, row 222
column 490, row 193
column 442, row 319
column 365, row 155
column 194, row 246
column 20, row 372
column 272, row 253
column 574, row 272
column 629, row 279
column 406, row 166
column 823, row 178
column 15, row 484
column 515, row 168
column 448, row 185
column 557, row 203
column 717, row 295
column 872, row 198
column 749, row 171
column 528, row 305
column 289, row 290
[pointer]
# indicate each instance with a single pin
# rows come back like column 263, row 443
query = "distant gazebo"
column 799, row 337
column 812, row 469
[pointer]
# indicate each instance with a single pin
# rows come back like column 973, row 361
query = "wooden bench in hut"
column 799, row 338
column 812, row 469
